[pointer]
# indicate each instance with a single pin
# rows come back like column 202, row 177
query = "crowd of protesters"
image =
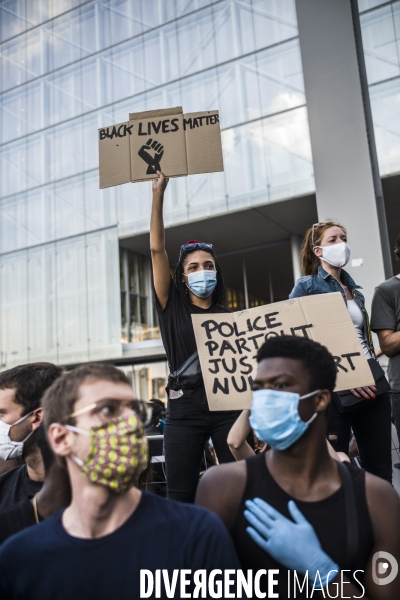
column 82, row 458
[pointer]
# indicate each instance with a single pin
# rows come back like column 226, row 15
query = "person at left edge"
column 197, row 288
column 21, row 389
column 96, row 547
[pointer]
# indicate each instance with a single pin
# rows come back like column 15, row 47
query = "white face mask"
column 8, row 448
column 337, row 255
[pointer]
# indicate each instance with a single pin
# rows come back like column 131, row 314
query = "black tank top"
column 327, row 516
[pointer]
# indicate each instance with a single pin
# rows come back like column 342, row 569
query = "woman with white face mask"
column 197, row 287
column 324, row 253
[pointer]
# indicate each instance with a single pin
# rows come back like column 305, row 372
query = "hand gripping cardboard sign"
column 228, row 342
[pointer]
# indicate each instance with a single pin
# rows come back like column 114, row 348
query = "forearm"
column 157, row 231
column 239, row 431
column 242, row 452
column 390, row 344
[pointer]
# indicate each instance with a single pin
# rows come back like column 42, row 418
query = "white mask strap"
column 310, row 394
column 21, row 419
column 77, row 430
column 312, row 419
column 77, row 460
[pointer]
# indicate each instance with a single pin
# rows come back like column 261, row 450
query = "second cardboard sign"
column 160, row 140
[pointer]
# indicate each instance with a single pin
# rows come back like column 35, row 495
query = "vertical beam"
column 246, row 293
column 341, row 155
column 380, row 203
column 295, row 248
column 271, row 289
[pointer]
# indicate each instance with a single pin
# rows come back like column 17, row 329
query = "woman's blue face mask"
column 202, row 283
column 275, row 417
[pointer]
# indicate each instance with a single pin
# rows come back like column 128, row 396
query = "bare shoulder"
column 221, row 488
column 383, row 504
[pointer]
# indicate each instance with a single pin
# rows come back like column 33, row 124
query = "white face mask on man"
column 337, row 255
column 10, row 449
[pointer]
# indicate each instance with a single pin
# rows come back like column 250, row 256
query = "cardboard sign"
column 227, row 344
column 160, row 140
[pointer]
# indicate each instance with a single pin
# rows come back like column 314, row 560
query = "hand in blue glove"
column 294, row 545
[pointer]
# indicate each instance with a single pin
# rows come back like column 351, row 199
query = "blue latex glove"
column 294, row 545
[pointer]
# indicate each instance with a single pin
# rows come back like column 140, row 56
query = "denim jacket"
column 324, row 283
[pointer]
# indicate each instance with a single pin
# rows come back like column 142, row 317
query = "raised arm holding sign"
column 197, row 288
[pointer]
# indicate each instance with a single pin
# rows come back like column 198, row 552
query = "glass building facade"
column 69, row 294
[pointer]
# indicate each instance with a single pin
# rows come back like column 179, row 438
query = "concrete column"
column 341, row 154
column 295, row 248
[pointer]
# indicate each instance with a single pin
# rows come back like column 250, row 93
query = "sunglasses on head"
column 313, row 228
column 189, row 246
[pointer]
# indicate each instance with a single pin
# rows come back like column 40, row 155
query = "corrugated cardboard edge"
column 152, row 114
column 212, row 161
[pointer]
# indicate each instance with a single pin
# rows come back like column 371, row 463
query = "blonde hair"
column 309, row 261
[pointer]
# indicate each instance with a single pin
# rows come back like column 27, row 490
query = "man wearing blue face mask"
column 295, row 508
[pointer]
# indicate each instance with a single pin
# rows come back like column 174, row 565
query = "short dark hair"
column 59, row 400
column 30, row 382
column 218, row 295
column 316, row 358
column 397, row 249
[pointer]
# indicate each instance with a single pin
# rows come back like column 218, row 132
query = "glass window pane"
column 72, row 301
column 379, row 41
column 385, row 107
column 64, row 146
column 35, row 56
column 142, row 277
column 12, row 18
column 274, row 21
column 366, row 4
column 132, row 273
column 65, row 95
column 64, row 40
column 196, row 42
column 103, row 296
column 14, row 62
column 69, row 207
column 14, row 223
column 34, row 163
column 14, row 115
column 143, row 312
column 14, row 296
column 41, row 314
column 13, row 158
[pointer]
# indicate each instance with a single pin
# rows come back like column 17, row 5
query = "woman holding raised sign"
column 196, row 288
column 366, row 410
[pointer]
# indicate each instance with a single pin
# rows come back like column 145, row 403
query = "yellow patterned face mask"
column 118, row 453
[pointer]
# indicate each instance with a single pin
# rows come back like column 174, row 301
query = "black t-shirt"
column 327, row 517
column 15, row 485
column 16, row 518
column 178, row 334
column 46, row 563
column 385, row 314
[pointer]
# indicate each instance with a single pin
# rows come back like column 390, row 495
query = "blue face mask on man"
column 275, row 417
column 202, row 283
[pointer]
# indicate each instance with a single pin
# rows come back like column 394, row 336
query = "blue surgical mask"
column 275, row 417
column 202, row 283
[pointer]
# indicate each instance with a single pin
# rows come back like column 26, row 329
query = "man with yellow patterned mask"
column 98, row 546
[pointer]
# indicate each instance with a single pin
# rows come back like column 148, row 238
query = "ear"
column 317, row 252
column 60, row 439
column 37, row 418
column 323, row 399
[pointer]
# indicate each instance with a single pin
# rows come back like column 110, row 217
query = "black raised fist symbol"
column 152, row 161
